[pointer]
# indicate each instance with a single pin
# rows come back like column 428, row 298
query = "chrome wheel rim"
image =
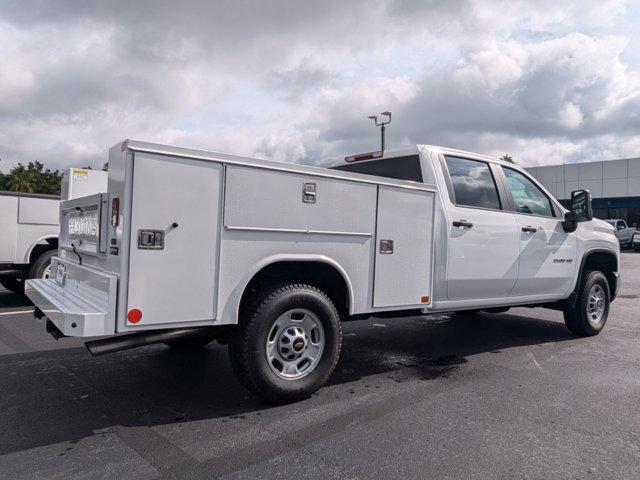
column 596, row 304
column 295, row 344
column 47, row 272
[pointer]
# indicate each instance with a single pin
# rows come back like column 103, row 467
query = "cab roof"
column 413, row 149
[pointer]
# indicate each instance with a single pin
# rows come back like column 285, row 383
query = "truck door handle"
column 462, row 223
column 529, row 229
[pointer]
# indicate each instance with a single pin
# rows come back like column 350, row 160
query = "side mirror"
column 581, row 210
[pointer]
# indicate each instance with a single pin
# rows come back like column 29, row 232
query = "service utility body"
column 186, row 246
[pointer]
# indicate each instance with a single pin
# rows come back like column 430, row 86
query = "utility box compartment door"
column 404, row 243
column 174, row 280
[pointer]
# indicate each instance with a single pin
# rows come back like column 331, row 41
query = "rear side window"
column 527, row 196
column 400, row 168
column 472, row 182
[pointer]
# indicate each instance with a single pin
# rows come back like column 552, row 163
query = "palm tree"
column 20, row 180
column 507, row 158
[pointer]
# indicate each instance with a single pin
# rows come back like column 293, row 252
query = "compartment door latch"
column 150, row 239
column 308, row 192
column 386, row 246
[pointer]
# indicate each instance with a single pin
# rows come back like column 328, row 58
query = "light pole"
column 382, row 126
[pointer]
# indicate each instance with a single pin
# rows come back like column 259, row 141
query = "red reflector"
column 115, row 212
column 364, row 156
column 134, row 315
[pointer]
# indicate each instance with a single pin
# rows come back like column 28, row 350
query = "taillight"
column 115, row 212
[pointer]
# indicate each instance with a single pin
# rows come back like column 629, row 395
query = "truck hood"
column 602, row 226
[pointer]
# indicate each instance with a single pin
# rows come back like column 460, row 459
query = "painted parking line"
column 17, row 312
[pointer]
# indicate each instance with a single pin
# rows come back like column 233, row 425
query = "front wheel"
column 589, row 314
column 288, row 343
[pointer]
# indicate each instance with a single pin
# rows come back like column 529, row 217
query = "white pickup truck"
column 29, row 227
column 186, row 246
column 623, row 232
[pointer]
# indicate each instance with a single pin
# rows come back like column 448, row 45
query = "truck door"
column 547, row 252
column 482, row 234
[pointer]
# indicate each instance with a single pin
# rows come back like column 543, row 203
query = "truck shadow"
column 66, row 395
column 9, row 299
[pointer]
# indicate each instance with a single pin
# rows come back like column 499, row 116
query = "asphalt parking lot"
column 477, row 396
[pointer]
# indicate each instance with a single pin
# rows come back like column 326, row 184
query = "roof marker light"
column 364, row 156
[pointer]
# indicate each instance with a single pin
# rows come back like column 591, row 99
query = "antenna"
column 381, row 125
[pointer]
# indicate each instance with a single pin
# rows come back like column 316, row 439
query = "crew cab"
column 29, row 227
column 186, row 246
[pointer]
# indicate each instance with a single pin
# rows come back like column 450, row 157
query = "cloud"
column 294, row 81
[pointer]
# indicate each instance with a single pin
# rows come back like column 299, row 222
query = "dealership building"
column 614, row 185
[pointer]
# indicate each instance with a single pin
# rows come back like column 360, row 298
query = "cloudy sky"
column 544, row 81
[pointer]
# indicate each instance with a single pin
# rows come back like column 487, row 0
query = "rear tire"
column 13, row 284
column 41, row 267
column 288, row 343
column 589, row 315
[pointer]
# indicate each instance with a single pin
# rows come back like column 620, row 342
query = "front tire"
column 288, row 343
column 589, row 315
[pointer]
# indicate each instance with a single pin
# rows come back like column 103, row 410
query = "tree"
column 507, row 158
column 32, row 178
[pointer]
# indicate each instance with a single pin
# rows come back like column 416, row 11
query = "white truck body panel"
column 9, row 222
column 237, row 215
column 190, row 250
column 38, row 211
column 403, row 277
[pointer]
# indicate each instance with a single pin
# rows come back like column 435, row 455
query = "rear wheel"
column 288, row 343
column 41, row 267
column 591, row 309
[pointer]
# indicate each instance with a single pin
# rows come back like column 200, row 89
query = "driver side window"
column 527, row 197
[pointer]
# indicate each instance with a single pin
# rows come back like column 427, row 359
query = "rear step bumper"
column 73, row 316
column 83, row 307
